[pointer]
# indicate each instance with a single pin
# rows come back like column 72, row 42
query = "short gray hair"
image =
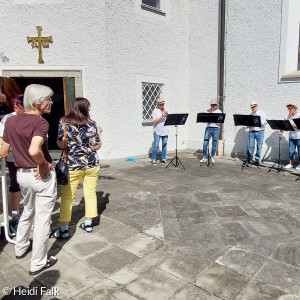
column 35, row 94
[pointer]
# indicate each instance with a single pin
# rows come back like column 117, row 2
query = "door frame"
column 49, row 72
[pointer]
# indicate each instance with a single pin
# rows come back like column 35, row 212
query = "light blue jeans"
column 164, row 146
column 259, row 137
column 293, row 144
column 214, row 133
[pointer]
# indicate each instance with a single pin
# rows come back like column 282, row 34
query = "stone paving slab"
column 223, row 282
column 200, row 233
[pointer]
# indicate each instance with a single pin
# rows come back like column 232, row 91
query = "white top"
column 9, row 157
column 294, row 135
column 263, row 121
column 216, row 111
column 159, row 127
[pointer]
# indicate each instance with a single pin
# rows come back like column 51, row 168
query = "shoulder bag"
column 61, row 168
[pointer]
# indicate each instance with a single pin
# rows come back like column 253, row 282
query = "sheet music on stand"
column 210, row 118
column 297, row 122
column 175, row 120
column 249, row 121
column 281, row 125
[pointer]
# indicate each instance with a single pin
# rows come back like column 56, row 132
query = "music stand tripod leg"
column 247, row 160
column 171, row 162
column 176, row 158
column 180, row 163
column 208, row 157
column 278, row 161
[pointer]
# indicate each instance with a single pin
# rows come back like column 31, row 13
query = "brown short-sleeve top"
column 19, row 131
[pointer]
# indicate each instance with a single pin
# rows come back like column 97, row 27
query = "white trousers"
column 39, row 197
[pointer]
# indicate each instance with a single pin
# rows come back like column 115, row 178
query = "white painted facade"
column 116, row 44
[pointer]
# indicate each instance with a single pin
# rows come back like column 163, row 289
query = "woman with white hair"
column 27, row 133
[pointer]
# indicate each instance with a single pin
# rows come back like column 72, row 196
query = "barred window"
column 151, row 91
column 153, row 3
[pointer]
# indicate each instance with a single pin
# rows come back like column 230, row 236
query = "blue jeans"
column 214, row 133
column 164, row 146
column 259, row 137
column 293, row 144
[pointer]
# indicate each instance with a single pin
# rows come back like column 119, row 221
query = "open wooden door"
column 69, row 93
column 10, row 88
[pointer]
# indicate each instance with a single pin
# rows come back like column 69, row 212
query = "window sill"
column 147, row 123
column 153, row 9
column 292, row 75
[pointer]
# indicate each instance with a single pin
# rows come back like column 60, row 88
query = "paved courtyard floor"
column 200, row 233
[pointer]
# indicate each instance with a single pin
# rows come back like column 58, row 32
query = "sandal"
column 83, row 226
column 51, row 261
column 61, row 234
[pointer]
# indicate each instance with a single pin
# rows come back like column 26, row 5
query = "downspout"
column 221, row 75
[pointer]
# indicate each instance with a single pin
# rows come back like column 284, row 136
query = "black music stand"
column 249, row 121
column 297, row 123
column 280, row 125
column 176, row 119
column 210, row 118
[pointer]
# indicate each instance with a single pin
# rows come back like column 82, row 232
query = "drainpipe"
column 221, row 79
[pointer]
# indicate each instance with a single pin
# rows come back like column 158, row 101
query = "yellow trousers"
column 68, row 192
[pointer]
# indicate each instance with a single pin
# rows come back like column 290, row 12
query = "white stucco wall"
column 141, row 45
column 203, row 64
column 114, row 43
column 253, row 44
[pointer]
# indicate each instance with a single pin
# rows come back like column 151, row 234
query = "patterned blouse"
column 81, row 155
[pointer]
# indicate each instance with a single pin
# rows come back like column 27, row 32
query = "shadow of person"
column 77, row 214
column 272, row 142
column 36, row 289
column 198, row 153
column 240, row 143
column 3, row 240
column 102, row 201
column 158, row 155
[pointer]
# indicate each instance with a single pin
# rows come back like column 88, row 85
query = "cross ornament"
column 40, row 42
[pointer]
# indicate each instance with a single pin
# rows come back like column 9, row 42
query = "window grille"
column 153, row 3
column 151, row 91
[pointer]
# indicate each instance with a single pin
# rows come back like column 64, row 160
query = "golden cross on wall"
column 40, row 42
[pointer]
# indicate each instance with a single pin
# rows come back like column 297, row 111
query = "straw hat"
column 253, row 103
column 293, row 104
column 213, row 102
column 160, row 101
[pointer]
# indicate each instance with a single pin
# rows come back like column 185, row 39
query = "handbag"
column 61, row 168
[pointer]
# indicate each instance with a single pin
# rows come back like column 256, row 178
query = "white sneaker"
column 153, row 162
column 289, row 166
column 212, row 160
column 202, row 160
column 298, row 167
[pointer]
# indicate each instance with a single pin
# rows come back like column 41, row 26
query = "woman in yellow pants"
column 83, row 140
